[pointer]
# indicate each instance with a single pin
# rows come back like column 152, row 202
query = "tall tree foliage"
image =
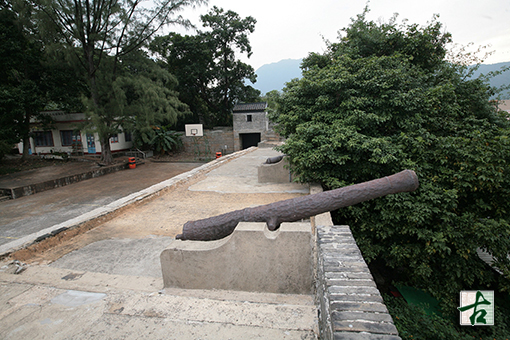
column 21, row 94
column 99, row 33
column 211, row 78
column 33, row 77
column 384, row 99
column 229, row 33
column 145, row 96
column 190, row 59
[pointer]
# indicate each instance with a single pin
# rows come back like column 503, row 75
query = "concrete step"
column 274, row 138
column 92, row 305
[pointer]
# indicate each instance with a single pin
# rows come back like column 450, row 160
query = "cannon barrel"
column 273, row 160
column 298, row 208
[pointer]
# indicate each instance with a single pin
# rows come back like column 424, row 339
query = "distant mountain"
column 498, row 81
column 274, row 76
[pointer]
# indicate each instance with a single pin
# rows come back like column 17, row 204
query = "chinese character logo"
column 477, row 308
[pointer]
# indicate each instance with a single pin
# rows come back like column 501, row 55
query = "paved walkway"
column 106, row 282
column 29, row 214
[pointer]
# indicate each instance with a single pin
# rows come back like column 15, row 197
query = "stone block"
column 361, row 316
column 371, row 327
column 363, row 336
column 347, row 283
column 359, row 306
column 349, row 275
column 251, row 259
column 356, row 298
column 348, row 290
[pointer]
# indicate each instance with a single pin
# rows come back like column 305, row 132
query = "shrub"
column 382, row 100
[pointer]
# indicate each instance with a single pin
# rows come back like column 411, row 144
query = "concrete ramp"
column 251, row 259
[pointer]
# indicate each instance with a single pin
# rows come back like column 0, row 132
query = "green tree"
column 211, row 79
column 190, row 59
column 104, row 31
column 165, row 140
column 272, row 98
column 19, row 95
column 33, row 76
column 384, row 99
column 145, row 96
column 229, row 32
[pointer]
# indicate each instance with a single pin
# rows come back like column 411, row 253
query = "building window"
column 128, row 137
column 69, row 137
column 248, row 118
column 114, row 139
column 43, row 138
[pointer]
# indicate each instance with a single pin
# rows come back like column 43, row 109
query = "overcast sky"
column 290, row 29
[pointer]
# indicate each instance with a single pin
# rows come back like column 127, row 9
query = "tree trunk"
column 106, row 151
column 26, row 136
column 26, row 146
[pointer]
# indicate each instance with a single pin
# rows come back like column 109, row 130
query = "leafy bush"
column 5, row 148
column 413, row 323
column 165, row 141
column 64, row 155
column 382, row 100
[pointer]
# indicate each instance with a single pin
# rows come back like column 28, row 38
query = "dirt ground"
column 162, row 215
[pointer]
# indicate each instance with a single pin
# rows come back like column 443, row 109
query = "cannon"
column 273, row 160
column 298, row 208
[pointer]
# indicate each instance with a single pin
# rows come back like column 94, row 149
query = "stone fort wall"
column 348, row 302
column 219, row 139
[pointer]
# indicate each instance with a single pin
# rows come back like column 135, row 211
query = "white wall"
column 57, row 143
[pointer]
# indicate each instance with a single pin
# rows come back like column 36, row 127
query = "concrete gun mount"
column 296, row 209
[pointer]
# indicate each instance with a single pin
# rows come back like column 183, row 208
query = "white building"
column 66, row 138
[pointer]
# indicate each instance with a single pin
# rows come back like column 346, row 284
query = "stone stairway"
column 128, row 307
column 272, row 136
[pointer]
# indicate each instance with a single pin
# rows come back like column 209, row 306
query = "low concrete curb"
column 103, row 212
column 32, row 189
